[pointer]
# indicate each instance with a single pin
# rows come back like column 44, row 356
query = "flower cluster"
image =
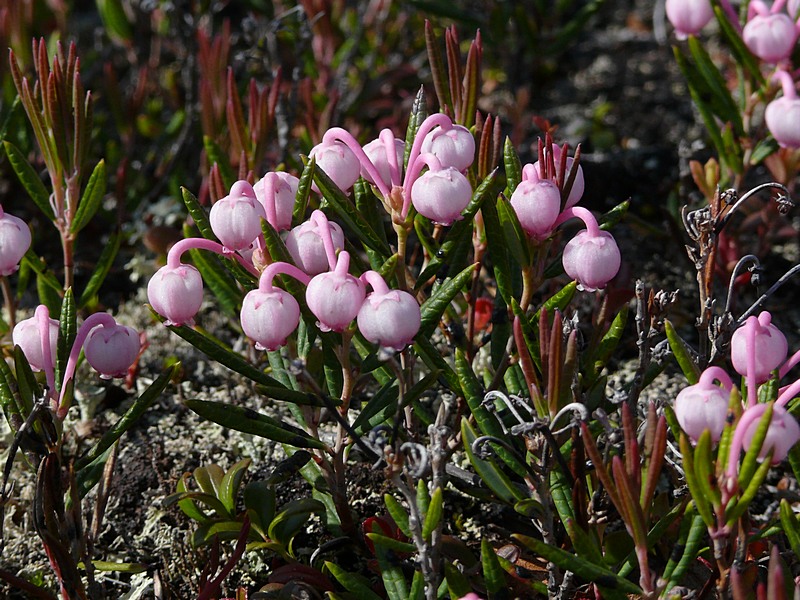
column 758, row 353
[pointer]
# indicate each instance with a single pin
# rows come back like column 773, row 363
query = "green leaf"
column 434, row 513
column 609, row 342
column 115, row 20
column 303, row 193
column 222, row 285
column 512, row 165
column 67, row 330
column 216, row 155
column 382, row 405
column 742, row 53
column 587, row 571
column 118, row 567
column 721, row 101
column 458, row 585
column 91, row 199
column 219, row 353
column 231, row 482
column 433, row 359
column 356, row 584
column 494, row 478
column 433, row 308
column 701, row 503
column 126, row 421
column 38, row 266
column 514, row 237
column 101, row 269
column 683, row 353
column 791, row 527
column 29, row 179
column 390, row 543
column 296, row 396
column 291, row 518
column 198, row 214
column 398, row 514
column 498, row 250
column 493, row 575
column 394, row 580
column 704, row 468
column 691, row 537
column 349, row 215
column 247, row 420
column 734, row 510
column 210, row 500
column 259, row 499
column 29, row 389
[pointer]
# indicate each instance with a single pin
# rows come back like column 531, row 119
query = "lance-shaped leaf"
column 493, row 477
column 394, row 581
column 390, row 543
column 597, row 574
column 297, row 397
column 101, row 269
column 348, row 214
column 247, row 420
column 791, row 526
column 216, row 156
column 493, row 575
column 720, row 99
column 514, row 237
column 434, row 513
column 353, row 583
column 701, row 502
column 398, row 513
column 704, row 469
column 438, row 71
column 434, row 360
column 219, row 353
column 29, row 179
column 690, row 540
column 219, row 281
column 303, row 192
column 67, row 330
column 126, row 421
column 742, row 53
column 91, row 199
column 498, row 250
column 198, row 214
column 433, row 308
column 291, row 518
column 230, row 484
column 683, row 353
column 513, row 167
column 734, row 510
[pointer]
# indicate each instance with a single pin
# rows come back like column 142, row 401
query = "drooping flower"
column 27, row 335
column 454, row 147
column 307, row 248
column 111, row 350
column 15, row 239
column 704, row 405
column 335, row 297
column 339, row 163
column 269, row 317
column 276, row 192
column 441, row 193
column 760, row 343
column 236, row 218
column 537, row 204
column 688, row 17
column 769, row 34
column 389, row 318
column 783, row 432
column 176, row 293
column 379, row 152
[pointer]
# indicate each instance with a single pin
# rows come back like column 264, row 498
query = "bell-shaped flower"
column 453, row 146
column 760, row 343
column 783, row 432
column 176, row 293
column 688, row 17
column 339, row 163
column 592, row 259
column 306, row 246
column 389, row 318
column 578, row 184
column 771, row 37
column 236, row 218
column 111, row 350
column 704, row 405
column 269, row 317
column 378, row 152
column 28, row 336
column 441, row 194
column 335, row 297
column 276, row 191
column 537, row 204
column 15, row 239
column 782, row 117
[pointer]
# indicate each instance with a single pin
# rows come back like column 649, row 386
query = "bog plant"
column 433, row 310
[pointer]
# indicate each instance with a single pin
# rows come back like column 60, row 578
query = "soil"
column 617, row 91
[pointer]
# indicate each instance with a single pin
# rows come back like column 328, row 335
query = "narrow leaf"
column 91, row 199
column 29, row 179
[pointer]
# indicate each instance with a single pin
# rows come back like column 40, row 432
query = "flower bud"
column 376, row 152
column 770, row 37
column 176, row 293
column 578, row 184
column 15, row 239
column 236, row 218
column 390, row 320
column 335, row 297
column 454, row 147
column 338, row 162
column 441, row 195
column 284, row 193
column 783, row 432
column 702, row 406
column 305, row 245
column 689, row 16
column 769, row 348
column 592, row 260
column 111, row 350
column 537, row 204
column 269, row 317
column 783, row 120
column 27, row 336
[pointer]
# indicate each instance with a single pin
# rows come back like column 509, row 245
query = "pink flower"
column 783, row 120
column 111, row 350
column 578, row 185
column 176, row 293
column 783, row 432
column 15, row 239
column 338, row 162
column 454, row 147
column 763, row 343
column 27, row 336
column 771, row 37
column 704, row 405
column 441, row 195
column 537, row 204
column 377, row 152
column 592, row 259
column 689, row 16
column 335, row 297
column 305, row 244
column 236, row 218
column 280, row 193
column 269, row 317
column 389, row 318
